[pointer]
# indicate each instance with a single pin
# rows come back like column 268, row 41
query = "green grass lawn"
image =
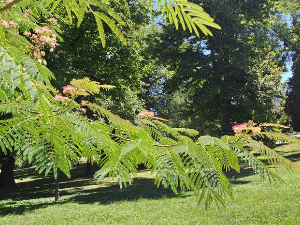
column 82, row 201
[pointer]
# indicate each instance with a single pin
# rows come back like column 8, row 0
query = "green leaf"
column 49, row 2
column 6, row 63
column 81, row 13
column 15, row 75
column 54, row 6
column 178, row 12
column 173, row 15
column 112, row 26
column 68, row 12
column 100, row 28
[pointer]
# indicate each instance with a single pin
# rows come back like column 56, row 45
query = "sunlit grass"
column 256, row 201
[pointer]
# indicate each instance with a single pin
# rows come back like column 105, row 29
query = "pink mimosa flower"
column 58, row 96
column 140, row 115
column 27, row 33
column 67, row 89
column 5, row 23
column 53, row 21
column 238, row 128
column 146, row 114
column 46, row 29
column 13, row 23
column 42, row 38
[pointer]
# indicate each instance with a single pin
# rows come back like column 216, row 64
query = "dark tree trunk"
column 226, row 115
column 88, row 171
column 225, row 92
column 57, row 189
column 7, row 179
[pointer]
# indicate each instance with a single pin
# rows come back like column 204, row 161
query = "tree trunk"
column 88, row 168
column 57, row 188
column 226, row 115
column 88, row 171
column 7, row 179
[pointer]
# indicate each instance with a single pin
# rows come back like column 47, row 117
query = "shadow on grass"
column 36, row 192
column 293, row 157
column 234, row 176
column 39, row 193
column 140, row 188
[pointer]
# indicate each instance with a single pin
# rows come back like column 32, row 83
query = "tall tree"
column 82, row 54
column 23, row 42
column 292, row 106
column 230, row 77
column 53, row 131
column 289, row 33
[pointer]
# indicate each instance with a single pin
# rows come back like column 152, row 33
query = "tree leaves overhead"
column 180, row 11
column 188, row 14
column 102, row 13
column 12, row 76
column 54, row 132
column 52, row 135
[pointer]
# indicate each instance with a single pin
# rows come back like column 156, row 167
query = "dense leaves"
column 224, row 79
column 52, row 130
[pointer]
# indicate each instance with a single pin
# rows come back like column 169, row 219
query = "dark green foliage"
column 292, row 106
column 54, row 132
column 215, row 82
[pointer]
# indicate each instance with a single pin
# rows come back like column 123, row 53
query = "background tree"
column 290, row 35
column 226, row 78
column 121, row 65
column 53, row 132
column 292, row 106
column 22, row 43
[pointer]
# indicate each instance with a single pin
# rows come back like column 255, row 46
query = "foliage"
column 221, row 80
column 189, row 14
column 293, row 101
column 53, row 132
column 117, row 64
column 292, row 41
column 255, row 201
column 287, row 30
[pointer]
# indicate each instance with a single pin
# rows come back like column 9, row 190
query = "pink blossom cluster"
column 68, row 89
column 53, row 21
column 60, row 97
column 239, row 127
column 40, row 39
column 27, row 12
column 9, row 24
column 146, row 114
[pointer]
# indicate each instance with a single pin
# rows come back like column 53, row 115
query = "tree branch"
column 115, row 135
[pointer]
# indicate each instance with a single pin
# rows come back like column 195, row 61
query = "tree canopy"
column 222, row 79
column 53, row 129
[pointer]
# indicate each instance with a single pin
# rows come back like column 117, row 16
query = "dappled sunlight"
column 40, row 191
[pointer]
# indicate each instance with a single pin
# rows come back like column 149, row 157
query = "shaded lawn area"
column 82, row 201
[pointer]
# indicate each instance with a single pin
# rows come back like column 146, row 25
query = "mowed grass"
column 82, row 201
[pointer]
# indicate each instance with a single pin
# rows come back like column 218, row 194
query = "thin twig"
column 115, row 135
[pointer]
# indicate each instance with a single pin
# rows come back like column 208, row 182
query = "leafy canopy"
column 52, row 130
